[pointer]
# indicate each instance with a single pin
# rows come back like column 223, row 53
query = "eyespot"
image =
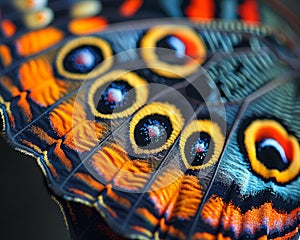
column 201, row 144
column 188, row 51
column 155, row 127
column 117, row 94
column 272, row 152
column 84, row 58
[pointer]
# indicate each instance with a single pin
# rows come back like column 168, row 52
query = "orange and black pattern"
column 158, row 119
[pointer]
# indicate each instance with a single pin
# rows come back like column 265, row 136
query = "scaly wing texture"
column 168, row 129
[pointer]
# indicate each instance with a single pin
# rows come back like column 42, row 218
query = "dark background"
column 26, row 209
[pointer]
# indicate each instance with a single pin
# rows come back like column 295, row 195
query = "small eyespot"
column 187, row 51
column 84, row 9
column 201, row 144
column 38, row 19
column 84, row 58
column 155, row 127
column 117, row 94
column 272, row 152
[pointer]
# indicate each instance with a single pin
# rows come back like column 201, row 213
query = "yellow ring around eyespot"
column 164, row 109
column 281, row 176
column 213, row 130
column 148, row 45
column 80, row 41
column 135, row 81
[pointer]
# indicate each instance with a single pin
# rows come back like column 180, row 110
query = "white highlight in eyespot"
column 178, row 45
column 114, row 95
column 84, row 9
column 269, row 142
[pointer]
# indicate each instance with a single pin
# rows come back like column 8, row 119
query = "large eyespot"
column 272, row 152
column 201, row 144
column 188, row 51
column 155, row 127
column 117, row 94
column 84, row 58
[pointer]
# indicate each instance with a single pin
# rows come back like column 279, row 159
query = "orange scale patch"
column 37, row 75
column 216, row 211
column 36, row 41
column 48, row 94
column 5, row 55
column 61, row 118
column 8, row 27
column 208, row 236
column 130, row 7
column 133, row 175
column 84, row 136
column 34, row 72
column 83, row 26
column 189, row 198
column 164, row 190
column 108, row 160
column 249, row 11
column 112, row 161
column 212, row 212
column 199, row 10
column 64, row 117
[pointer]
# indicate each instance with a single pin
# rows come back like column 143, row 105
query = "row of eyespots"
column 109, row 98
column 271, row 152
column 87, row 57
column 155, row 127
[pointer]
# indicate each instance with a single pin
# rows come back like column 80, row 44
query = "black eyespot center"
column 178, row 48
column 272, row 154
column 199, row 146
column 83, row 59
column 115, row 97
column 152, row 131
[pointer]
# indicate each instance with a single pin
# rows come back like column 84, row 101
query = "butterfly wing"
column 152, row 164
